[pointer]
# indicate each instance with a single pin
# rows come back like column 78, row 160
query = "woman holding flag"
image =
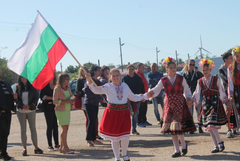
column 116, row 124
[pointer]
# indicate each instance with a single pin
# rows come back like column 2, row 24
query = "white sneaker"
column 229, row 134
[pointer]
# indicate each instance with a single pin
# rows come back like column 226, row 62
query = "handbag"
column 78, row 102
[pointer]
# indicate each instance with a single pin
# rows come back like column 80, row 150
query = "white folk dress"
column 116, row 123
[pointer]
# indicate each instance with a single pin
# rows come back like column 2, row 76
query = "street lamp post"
column 2, row 48
column 121, row 44
column 157, row 51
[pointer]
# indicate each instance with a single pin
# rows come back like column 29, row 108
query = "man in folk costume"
column 212, row 114
column 176, row 118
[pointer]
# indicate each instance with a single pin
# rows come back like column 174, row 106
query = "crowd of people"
column 215, row 99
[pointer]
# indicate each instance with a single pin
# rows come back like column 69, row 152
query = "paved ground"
column 150, row 145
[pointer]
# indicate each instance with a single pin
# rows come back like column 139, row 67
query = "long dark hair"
column 93, row 69
column 103, row 69
column 21, row 86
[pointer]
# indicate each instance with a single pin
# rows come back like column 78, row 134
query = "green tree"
column 7, row 74
column 148, row 63
column 88, row 65
column 72, row 69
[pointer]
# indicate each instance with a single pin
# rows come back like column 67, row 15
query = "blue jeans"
column 155, row 105
column 135, row 117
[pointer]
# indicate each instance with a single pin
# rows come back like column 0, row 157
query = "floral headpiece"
column 236, row 50
column 207, row 61
column 167, row 60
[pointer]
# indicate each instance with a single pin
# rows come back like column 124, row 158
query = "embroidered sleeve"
column 230, row 84
column 187, row 91
column 95, row 90
column 223, row 95
column 197, row 94
column 134, row 97
column 157, row 89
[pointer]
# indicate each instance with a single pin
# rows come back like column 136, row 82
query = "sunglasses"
column 192, row 64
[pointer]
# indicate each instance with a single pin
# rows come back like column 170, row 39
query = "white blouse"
column 187, row 92
column 117, row 94
column 208, row 82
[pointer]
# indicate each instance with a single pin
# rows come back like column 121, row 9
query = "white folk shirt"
column 187, row 92
column 207, row 82
column 117, row 94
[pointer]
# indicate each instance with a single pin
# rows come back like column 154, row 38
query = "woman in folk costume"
column 234, row 89
column 176, row 118
column 212, row 114
column 116, row 123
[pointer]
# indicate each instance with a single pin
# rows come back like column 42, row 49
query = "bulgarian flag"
column 38, row 55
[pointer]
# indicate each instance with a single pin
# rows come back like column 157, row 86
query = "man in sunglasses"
column 192, row 77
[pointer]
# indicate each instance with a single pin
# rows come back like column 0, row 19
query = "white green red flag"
column 38, row 55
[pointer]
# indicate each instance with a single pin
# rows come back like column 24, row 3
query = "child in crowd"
column 176, row 118
column 212, row 114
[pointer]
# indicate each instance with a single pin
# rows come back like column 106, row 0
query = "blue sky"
column 91, row 29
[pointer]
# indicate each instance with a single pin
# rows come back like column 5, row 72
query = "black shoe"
column 50, row 148
column 184, row 151
column 24, row 152
column 215, row 150
column 175, row 155
column 126, row 158
column 200, row 130
column 99, row 138
column 38, row 151
column 222, row 147
column 234, row 132
column 57, row 147
column 7, row 158
column 191, row 132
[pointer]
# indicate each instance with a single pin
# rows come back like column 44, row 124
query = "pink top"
column 58, row 97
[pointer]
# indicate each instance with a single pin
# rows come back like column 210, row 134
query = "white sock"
column 124, row 145
column 216, row 133
column 213, row 138
column 116, row 149
column 183, row 143
column 175, row 143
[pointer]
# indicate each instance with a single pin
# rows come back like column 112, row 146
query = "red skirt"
column 116, row 121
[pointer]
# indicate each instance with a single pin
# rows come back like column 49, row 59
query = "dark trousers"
column 86, row 124
column 92, row 113
column 5, row 123
column 52, row 127
column 142, row 118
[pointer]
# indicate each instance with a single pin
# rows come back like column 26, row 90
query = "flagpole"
column 83, row 69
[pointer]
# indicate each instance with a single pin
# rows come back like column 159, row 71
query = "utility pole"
column 121, row 44
column 188, row 56
column 98, row 62
column 176, row 57
column 157, row 51
column 61, row 66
